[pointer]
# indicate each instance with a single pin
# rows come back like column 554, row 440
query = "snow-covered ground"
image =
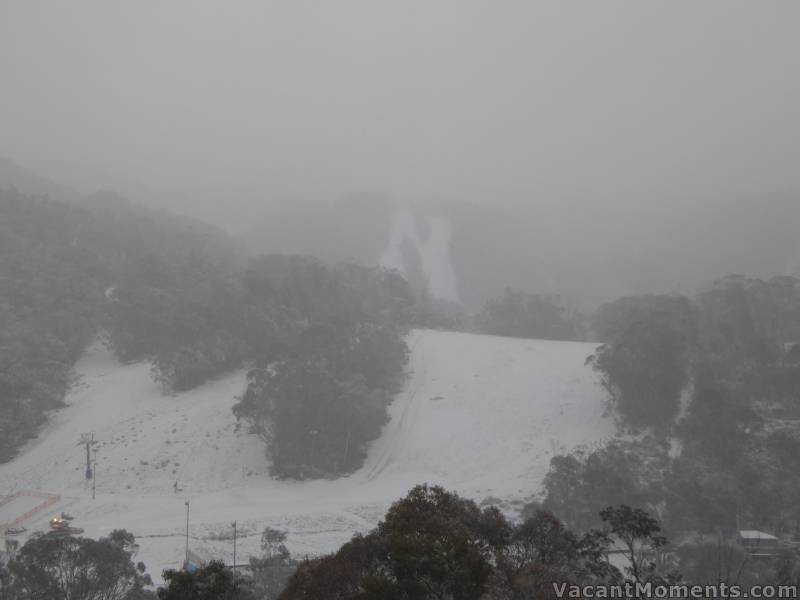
column 480, row 414
column 433, row 248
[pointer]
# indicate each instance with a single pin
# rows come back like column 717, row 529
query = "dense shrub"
column 519, row 314
column 50, row 295
column 736, row 441
column 645, row 363
column 433, row 544
column 579, row 485
column 176, row 293
column 59, row 265
column 76, row 567
column 318, row 407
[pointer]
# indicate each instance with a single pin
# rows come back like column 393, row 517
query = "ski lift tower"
column 87, row 439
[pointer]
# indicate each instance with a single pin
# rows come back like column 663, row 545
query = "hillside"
column 28, row 182
column 479, row 414
column 471, row 251
column 56, row 263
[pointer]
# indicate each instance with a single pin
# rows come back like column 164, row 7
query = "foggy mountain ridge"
column 458, row 299
column 591, row 256
column 28, row 182
column 531, row 247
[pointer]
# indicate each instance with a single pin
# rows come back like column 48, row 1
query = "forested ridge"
column 706, row 389
column 179, row 294
column 56, row 263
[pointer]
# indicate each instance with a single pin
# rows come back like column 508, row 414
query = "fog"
column 288, row 260
column 609, row 148
column 208, row 106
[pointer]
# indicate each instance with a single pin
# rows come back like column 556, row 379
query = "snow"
column 750, row 534
column 434, row 252
column 16, row 506
column 481, row 415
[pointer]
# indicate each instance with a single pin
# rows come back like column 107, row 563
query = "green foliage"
column 748, row 319
column 212, row 582
column 519, row 314
column 441, row 545
column 190, row 318
column 49, row 296
column 642, row 542
column 757, row 485
column 333, row 577
column 314, row 291
column 319, row 408
column 645, row 363
column 718, row 424
column 434, row 544
column 712, row 559
column 56, row 262
column 319, row 395
column 269, row 576
column 738, row 440
column 176, row 293
column 578, row 486
column 673, row 312
column 79, row 569
column 272, row 543
column 542, row 550
column 720, row 559
column 739, row 444
column 327, row 355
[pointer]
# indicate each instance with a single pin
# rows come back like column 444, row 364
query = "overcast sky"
column 633, row 101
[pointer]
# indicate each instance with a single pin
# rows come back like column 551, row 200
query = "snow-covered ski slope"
column 480, row 414
column 433, row 248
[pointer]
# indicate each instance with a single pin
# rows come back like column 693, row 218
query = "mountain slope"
column 28, row 182
column 479, row 414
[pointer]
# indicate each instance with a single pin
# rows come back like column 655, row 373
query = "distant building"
column 758, row 543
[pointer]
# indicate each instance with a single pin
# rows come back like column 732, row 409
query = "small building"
column 758, row 543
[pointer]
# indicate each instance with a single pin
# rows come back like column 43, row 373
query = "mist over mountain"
column 28, row 182
column 585, row 150
column 589, row 256
column 454, row 299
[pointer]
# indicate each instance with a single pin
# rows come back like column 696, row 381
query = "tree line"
column 181, row 295
column 432, row 544
column 707, row 389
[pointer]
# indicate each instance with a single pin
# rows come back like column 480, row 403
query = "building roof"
column 752, row 534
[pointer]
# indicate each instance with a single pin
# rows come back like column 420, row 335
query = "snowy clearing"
column 433, row 248
column 480, row 414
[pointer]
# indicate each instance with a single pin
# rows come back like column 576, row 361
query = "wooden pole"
column 234, row 551
column 94, row 474
column 186, row 562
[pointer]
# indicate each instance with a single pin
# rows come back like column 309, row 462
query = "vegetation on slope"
column 178, row 294
column 519, row 314
column 56, row 263
column 723, row 460
column 320, row 392
column 434, row 544
column 76, row 568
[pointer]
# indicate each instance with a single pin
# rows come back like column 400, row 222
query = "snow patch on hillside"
column 481, row 415
column 434, row 252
